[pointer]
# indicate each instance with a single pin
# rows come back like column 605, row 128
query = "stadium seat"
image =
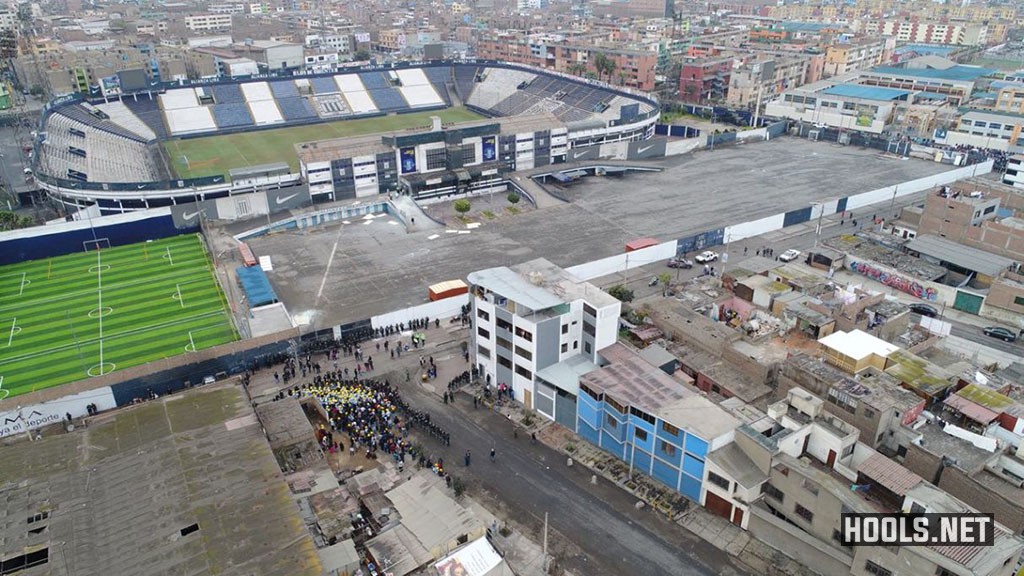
column 232, row 115
column 325, row 85
column 284, row 89
column 388, row 99
column 294, row 109
column 226, row 94
column 375, row 80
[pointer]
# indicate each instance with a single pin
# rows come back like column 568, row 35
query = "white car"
column 705, row 257
column 789, row 255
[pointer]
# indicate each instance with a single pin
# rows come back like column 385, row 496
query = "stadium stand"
column 232, row 115
column 332, row 105
column 226, row 93
column 100, row 155
column 465, row 82
column 123, row 116
column 417, row 90
column 295, row 109
column 359, row 100
column 257, row 92
column 284, row 89
column 265, row 112
column 179, row 98
column 388, row 99
column 325, row 85
column 497, row 85
column 80, row 114
column 441, row 77
column 189, row 120
column 375, row 80
column 148, row 110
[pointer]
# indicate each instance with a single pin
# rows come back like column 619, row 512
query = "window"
column 1018, row 300
column 668, row 449
column 565, row 328
column 596, row 396
column 843, row 400
column 586, row 347
column 565, row 347
column 771, row 491
column 872, row 568
column 804, row 513
column 524, row 372
column 611, row 422
column 524, row 334
column 524, row 353
column 481, row 351
column 869, row 413
column 940, row 571
column 504, row 343
column 482, row 314
column 588, row 328
column 589, row 310
column 436, row 158
column 669, row 429
column 640, row 435
column 641, row 415
column 615, row 405
column 503, row 324
column 504, row 362
column 483, row 333
column 23, row 561
column 719, row 481
column 575, row 345
column 468, row 154
column 809, row 486
column 38, row 517
column 848, row 450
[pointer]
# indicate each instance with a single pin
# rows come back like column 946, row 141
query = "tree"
column 360, row 55
column 604, row 66
column 461, row 205
column 11, row 221
column 513, row 197
column 621, row 293
column 664, row 278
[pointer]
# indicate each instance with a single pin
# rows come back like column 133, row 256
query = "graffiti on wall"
column 895, row 281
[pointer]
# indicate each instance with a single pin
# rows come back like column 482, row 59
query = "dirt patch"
column 483, row 210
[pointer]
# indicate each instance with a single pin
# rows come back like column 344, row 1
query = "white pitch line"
column 178, row 288
column 14, row 322
column 323, row 281
column 21, row 289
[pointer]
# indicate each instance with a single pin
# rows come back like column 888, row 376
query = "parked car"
column 789, row 255
column 1003, row 334
column 653, row 281
column 924, row 310
column 705, row 257
column 680, row 263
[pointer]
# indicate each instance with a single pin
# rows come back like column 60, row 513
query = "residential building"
column 271, row 55
column 1014, row 175
column 532, row 316
column 705, row 80
column 206, row 22
column 845, row 106
column 1010, row 99
column 861, row 54
column 915, row 31
column 933, row 76
column 8, row 19
column 971, row 215
column 759, row 79
column 653, row 422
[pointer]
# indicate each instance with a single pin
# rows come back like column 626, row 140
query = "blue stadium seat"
column 295, row 109
column 389, row 99
column 148, row 110
column 284, row 89
column 375, row 80
column 325, row 85
column 232, row 115
column 440, row 77
column 226, row 93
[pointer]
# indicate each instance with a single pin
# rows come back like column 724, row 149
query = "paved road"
column 595, row 529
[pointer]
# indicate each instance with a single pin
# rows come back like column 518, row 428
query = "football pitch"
column 86, row 314
column 215, row 155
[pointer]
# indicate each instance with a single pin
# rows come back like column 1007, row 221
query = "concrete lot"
column 378, row 267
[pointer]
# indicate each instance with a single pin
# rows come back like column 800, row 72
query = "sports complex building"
column 425, row 129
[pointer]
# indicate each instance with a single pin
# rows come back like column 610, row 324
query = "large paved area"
column 378, row 267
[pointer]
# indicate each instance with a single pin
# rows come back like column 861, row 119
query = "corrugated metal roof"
column 965, row 257
column 958, row 72
column 866, row 92
column 889, row 474
column 973, row 411
column 986, row 397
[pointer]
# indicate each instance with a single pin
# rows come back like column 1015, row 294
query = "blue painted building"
column 646, row 418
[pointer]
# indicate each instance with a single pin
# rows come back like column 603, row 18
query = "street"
column 595, row 530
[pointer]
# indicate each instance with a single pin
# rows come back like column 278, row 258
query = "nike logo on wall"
column 576, row 155
column 280, row 200
column 644, row 149
column 189, row 215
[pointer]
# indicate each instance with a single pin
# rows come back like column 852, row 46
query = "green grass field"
column 159, row 299
column 215, row 155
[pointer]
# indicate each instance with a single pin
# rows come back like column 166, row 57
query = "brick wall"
column 1009, row 510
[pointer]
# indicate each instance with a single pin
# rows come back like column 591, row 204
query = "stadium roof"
column 938, row 49
column 114, row 497
column 958, row 72
column 956, row 254
column 865, row 92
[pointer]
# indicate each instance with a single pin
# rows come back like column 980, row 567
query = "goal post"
column 97, row 244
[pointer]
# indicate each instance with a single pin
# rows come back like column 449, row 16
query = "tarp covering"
column 256, row 285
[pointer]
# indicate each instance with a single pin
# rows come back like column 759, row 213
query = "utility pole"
column 544, row 559
column 817, row 229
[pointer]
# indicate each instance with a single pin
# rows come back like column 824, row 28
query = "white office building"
column 534, row 316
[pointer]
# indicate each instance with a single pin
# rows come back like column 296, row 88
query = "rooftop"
column 857, row 344
column 631, row 381
column 123, row 494
column 986, row 397
column 566, row 374
column 917, row 373
column 956, row 73
column 889, row 474
column 960, row 255
column 865, row 92
column 958, row 452
column 735, row 462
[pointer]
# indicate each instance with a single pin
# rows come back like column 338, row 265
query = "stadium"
column 141, row 146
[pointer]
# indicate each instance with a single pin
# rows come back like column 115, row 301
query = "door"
column 527, row 399
column 968, row 302
column 831, row 458
column 717, row 505
column 737, row 516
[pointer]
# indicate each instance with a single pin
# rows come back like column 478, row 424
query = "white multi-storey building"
column 201, row 22
column 533, row 316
